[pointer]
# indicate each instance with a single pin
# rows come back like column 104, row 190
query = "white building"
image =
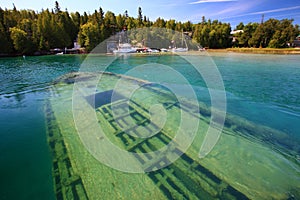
column 236, row 31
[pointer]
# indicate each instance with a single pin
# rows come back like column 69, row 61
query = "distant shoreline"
column 286, row 51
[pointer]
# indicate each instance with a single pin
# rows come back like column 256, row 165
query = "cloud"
column 210, row 1
column 264, row 12
column 276, row 10
column 239, row 7
column 171, row 3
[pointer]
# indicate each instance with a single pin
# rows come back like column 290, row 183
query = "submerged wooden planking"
column 189, row 177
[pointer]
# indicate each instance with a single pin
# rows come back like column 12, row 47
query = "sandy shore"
column 259, row 50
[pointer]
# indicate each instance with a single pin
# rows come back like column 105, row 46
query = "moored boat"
column 125, row 48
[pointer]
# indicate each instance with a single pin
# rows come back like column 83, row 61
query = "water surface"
column 263, row 89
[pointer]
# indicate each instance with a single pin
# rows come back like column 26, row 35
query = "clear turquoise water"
column 264, row 89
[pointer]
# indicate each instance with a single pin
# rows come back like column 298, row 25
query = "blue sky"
column 232, row 11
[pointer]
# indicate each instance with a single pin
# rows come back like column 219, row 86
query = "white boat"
column 181, row 49
column 125, row 48
column 153, row 50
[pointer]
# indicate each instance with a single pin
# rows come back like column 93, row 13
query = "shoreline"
column 286, row 51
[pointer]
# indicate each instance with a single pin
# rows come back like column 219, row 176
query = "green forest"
column 30, row 32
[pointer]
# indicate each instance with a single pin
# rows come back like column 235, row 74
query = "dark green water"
column 264, row 89
column 25, row 162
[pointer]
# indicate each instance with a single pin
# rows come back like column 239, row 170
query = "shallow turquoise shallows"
column 261, row 89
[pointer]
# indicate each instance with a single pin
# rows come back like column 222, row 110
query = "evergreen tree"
column 6, row 45
column 89, row 36
column 140, row 17
column 26, row 31
column 284, row 34
column 171, row 24
column 243, row 38
column 19, row 38
column 57, row 7
column 240, row 26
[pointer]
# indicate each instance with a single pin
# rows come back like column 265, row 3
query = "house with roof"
column 296, row 42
